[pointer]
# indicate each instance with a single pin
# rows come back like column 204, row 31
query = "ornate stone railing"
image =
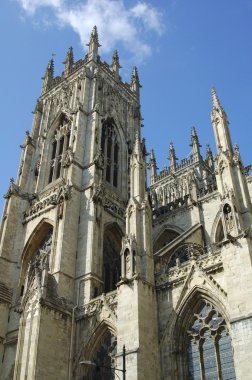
column 184, row 163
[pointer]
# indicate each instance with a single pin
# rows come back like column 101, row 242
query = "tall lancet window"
column 209, row 346
column 110, row 150
column 59, row 147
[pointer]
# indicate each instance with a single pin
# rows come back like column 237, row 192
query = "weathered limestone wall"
column 53, row 355
column 137, row 327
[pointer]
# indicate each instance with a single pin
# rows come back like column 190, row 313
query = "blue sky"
column 182, row 48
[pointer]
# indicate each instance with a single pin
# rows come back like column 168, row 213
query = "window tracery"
column 184, row 253
column 104, row 357
column 111, row 259
column 59, row 148
column 38, row 261
column 110, row 150
column 209, row 349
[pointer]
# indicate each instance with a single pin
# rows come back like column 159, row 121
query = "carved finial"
column 50, row 68
column 215, row 99
column 152, row 155
column 237, row 156
column 171, row 148
column 220, row 125
column 115, row 63
column 172, row 157
column 195, row 144
column 135, row 83
column 48, row 78
column 93, row 44
column 208, row 150
column 153, row 167
column 69, row 61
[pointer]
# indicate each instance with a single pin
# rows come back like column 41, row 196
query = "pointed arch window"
column 111, row 258
column 104, row 357
column 110, row 151
column 209, row 346
column 59, row 147
column 37, row 259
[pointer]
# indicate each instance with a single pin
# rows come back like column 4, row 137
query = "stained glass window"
column 209, row 348
column 104, row 359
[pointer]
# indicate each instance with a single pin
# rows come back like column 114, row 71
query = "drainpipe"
column 70, row 366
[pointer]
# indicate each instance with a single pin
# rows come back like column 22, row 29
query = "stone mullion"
column 105, row 156
column 217, row 355
column 64, row 150
column 202, row 369
column 112, row 163
column 56, row 160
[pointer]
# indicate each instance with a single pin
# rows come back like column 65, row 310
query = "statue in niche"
column 127, row 263
column 229, row 220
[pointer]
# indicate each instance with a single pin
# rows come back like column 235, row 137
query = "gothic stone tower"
column 62, row 230
column 91, row 261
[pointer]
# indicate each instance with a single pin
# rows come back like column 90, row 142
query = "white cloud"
column 115, row 22
column 31, row 6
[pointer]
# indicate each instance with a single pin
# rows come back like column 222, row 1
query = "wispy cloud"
column 133, row 26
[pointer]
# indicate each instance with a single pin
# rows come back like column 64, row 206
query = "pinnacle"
column 216, row 102
column 94, row 37
column 194, row 133
column 115, row 55
column 171, row 146
column 50, row 67
column 152, row 154
column 137, row 143
column 115, row 61
column 208, row 149
column 69, row 58
column 135, row 74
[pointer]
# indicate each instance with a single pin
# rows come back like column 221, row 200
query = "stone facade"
column 92, row 261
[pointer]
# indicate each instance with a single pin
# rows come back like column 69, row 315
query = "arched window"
column 104, row 357
column 209, row 348
column 111, row 258
column 110, row 150
column 184, row 253
column 165, row 238
column 38, row 258
column 59, row 147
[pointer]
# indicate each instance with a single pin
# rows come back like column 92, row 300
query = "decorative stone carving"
column 16, row 191
column 175, row 274
column 68, row 158
column 104, row 301
column 112, row 207
column 47, row 201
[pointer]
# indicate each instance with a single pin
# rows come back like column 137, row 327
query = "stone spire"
column 93, row 45
column 138, row 169
column 48, row 78
column 135, row 83
column 172, row 158
column 69, row 61
column 116, row 64
column 220, row 125
column 195, row 145
column 230, row 178
column 153, row 167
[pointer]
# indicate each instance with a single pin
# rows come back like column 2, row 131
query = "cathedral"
column 106, row 275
